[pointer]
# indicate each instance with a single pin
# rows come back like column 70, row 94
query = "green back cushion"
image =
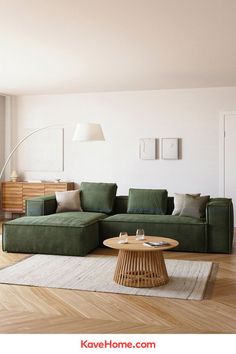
column 147, row 201
column 98, row 197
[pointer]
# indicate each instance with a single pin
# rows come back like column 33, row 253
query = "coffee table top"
column 137, row 245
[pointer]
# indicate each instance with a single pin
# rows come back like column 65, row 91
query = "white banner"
column 120, row 343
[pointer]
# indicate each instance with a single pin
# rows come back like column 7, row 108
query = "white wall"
column 192, row 115
column 2, row 130
column 2, row 135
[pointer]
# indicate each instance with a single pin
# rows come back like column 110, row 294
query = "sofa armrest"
column 220, row 220
column 41, row 206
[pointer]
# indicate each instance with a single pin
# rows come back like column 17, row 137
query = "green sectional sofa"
column 43, row 230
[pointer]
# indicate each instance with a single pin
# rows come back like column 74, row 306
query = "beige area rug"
column 188, row 279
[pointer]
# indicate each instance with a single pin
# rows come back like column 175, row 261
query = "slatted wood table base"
column 141, row 269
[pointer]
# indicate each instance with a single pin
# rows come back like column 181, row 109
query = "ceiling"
column 65, row 46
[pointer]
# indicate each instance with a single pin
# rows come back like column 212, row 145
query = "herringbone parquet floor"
column 38, row 310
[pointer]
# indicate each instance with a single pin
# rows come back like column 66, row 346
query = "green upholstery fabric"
column 148, row 218
column 98, row 197
column 121, row 204
column 220, row 219
column 77, row 233
column 147, row 201
column 41, row 206
column 72, row 233
column 66, row 219
column 190, row 232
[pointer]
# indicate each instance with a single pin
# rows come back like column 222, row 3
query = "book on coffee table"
column 156, row 244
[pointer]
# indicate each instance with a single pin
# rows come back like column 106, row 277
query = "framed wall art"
column 170, row 148
column 148, row 149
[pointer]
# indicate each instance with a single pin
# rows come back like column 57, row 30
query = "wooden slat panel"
column 14, row 194
column 12, row 197
column 51, row 188
column 33, row 189
column 12, row 184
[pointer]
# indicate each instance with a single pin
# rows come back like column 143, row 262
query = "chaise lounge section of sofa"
column 69, row 233
column 73, row 233
column 105, row 215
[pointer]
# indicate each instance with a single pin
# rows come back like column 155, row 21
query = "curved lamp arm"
column 20, row 142
column 83, row 132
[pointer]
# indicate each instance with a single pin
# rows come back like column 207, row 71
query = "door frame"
column 222, row 151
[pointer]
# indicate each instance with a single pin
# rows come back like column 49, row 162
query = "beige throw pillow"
column 68, row 201
column 179, row 202
column 194, row 206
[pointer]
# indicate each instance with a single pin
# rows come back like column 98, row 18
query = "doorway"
column 228, row 157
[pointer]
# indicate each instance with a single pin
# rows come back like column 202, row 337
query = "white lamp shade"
column 88, row 132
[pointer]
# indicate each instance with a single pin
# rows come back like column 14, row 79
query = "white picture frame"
column 170, row 148
column 147, row 149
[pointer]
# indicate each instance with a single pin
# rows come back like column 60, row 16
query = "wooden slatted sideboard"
column 14, row 194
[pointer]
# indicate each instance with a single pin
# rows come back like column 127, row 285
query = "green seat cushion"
column 147, row 201
column 189, row 232
column 70, row 233
column 159, row 219
column 67, row 219
column 98, row 197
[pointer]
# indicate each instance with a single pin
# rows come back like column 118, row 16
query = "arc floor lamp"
column 83, row 132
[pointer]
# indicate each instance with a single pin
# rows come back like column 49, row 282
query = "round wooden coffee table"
column 140, row 266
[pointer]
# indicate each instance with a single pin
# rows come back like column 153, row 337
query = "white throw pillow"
column 179, row 202
column 68, row 201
